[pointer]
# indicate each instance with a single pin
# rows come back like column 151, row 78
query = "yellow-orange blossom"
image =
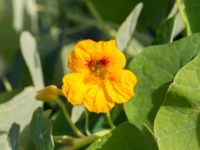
column 98, row 79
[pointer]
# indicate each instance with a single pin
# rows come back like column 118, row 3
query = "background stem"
column 184, row 17
column 7, row 85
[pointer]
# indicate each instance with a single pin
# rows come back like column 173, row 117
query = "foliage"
column 162, row 45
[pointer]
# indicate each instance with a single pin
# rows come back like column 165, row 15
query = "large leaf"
column 41, row 131
column 19, row 109
column 155, row 67
column 177, row 124
column 125, row 137
column 127, row 28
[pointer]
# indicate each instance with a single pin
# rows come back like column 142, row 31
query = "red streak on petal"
column 104, row 61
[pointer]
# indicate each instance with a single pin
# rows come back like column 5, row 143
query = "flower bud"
column 48, row 94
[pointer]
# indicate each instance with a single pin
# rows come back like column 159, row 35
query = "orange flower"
column 98, row 79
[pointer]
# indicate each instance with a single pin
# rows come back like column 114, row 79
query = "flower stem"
column 180, row 6
column 87, row 123
column 7, row 85
column 110, row 122
column 67, row 117
column 75, row 143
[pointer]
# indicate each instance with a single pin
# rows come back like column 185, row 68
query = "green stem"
column 76, row 143
column 110, row 122
column 63, row 139
column 87, row 123
column 7, row 85
column 72, row 143
column 184, row 17
column 67, row 117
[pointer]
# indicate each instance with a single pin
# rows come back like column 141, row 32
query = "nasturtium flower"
column 98, row 79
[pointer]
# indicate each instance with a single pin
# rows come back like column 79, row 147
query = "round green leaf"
column 177, row 124
column 155, row 68
column 41, row 131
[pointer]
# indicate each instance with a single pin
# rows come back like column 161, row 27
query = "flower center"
column 98, row 67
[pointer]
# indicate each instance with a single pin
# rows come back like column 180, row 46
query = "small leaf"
column 177, row 124
column 41, row 131
column 164, row 33
column 77, row 111
column 31, row 57
column 127, row 28
column 13, row 136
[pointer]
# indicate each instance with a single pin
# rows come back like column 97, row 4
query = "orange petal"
column 74, row 88
column 80, row 56
column 116, row 58
column 120, row 87
column 97, row 101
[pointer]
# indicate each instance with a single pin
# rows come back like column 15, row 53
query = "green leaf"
column 177, row 122
column 192, row 9
column 164, row 32
column 15, row 113
column 25, row 139
column 13, row 136
column 155, row 68
column 9, row 39
column 31, row 57
column 125, row 137
column 117, row 11
column 41, row 131
column 127, row 28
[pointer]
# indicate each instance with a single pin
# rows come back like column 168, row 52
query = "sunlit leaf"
column 30, row 54
column 127, row 28
column 155, row 68
column 19, row 109
column 77, row 112
column 177, row 124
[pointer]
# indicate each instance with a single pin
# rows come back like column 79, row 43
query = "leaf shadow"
column 158, row 98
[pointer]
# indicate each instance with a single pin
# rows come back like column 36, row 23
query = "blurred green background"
column 58, row 24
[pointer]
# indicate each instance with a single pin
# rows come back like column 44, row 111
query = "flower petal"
column 115, row 57
column 120, row 86
column 80, row 56
column 97, row 101
column 74, row 87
